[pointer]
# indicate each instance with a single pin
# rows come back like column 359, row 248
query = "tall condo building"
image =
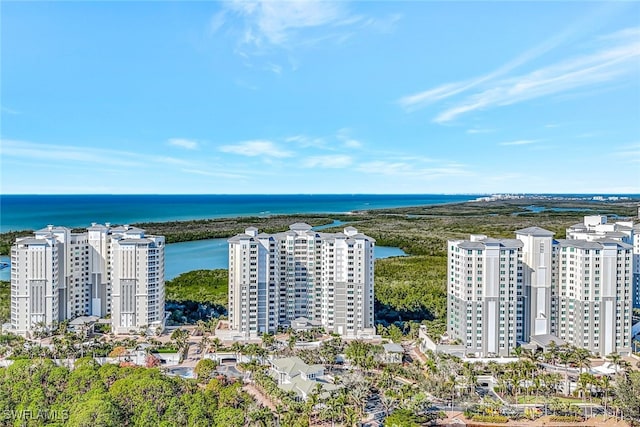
column 58, row 275
column 597, row 227
column 636, row 265
column 486, row 309
column 593, row 294
column 326, row 279
column 579, row 290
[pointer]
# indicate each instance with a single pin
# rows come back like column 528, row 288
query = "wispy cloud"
column 217, row 21
column 305, row 141
column 403, row 169
column 170, row 160
column 103, row 160
column 603, row 66
column 475, row 131
column 8, row 110
column 385, row 24
column 268, row 26
column 337, row 161
column 256, row 148
column 189, row 144
column 617, row 57
column 447, row 90
column 277, row 23
column 629, row 153
column 61, row 153
column 520, row 142
column 214, row 173
column 344, row 135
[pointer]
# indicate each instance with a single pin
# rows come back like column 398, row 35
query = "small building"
column 83, row 324
column 392, row 353
column 444, row 345
column 304, row 324
column 545, row 342
column 292, row 374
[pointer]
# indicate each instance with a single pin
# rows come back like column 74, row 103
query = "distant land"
column 31, row 212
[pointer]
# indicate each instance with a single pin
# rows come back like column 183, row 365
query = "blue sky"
column 320, row 97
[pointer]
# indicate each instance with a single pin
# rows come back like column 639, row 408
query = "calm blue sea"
column 29, row 212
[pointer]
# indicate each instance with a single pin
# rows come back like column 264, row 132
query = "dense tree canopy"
column 38, row 392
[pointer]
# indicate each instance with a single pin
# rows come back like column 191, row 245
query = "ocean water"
column 30, row 212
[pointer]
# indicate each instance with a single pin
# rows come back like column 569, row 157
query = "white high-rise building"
column 486, row 309
column 537, row 279
column 324, row 278
column 593, row 296
column 636, row 265
column 597, row 227
column 578, row 289
column 58, row 275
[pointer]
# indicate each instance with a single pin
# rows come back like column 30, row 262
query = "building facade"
column 325, row 278
column 59, row 275
column 503, row 292
column 485, row 294
column 593, row 294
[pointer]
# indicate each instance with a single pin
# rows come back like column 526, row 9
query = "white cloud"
column 352, row 143
column 520, row 142
column 422, row 99
column 629, row 153
column 307, row 141
column 403, row 169
column 383, row 25
column 217, row 21
column 62, row 153
column 9, row 110
column 189, row 144
column 618, row 57
column 475, row 131
column 347, row 140
column 256, row 148
column 271, row 27
column 213, row 173
column 274, row 68
column 337, row 161
column 600, row 67
column 276, row 22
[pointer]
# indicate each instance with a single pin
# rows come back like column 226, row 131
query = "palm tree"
column 452, row 385
column 292, row 341
column 201, row 327
column 527, row 368
column 181, row 340
column 205, row 342
column 358, row 396
column 351, row 417
column 552, row 351
column 517, row 352
column 581, row 357
column 615, row 358
column 583, row 384
column 268, row 340
column 565, row 358
column 262, row 417
column 237, row 348
column 471, row 377
column 216, row 344
column 605, row 386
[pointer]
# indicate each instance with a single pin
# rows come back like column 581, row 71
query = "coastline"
column 551, row 207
